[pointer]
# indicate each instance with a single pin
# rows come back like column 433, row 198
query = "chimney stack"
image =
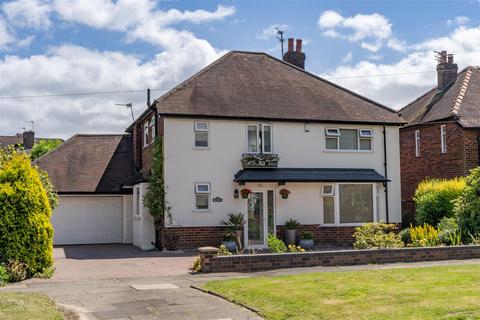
column 446, row 70
column 28, row 139
column 297, row 57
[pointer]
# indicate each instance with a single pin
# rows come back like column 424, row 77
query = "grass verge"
column 450, row 292
column 21, row 306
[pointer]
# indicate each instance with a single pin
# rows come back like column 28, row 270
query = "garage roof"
column 88, row 163
column 309, row 175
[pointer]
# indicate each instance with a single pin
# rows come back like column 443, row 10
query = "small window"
column 332, row 132
column 443, row 138
column 202, row 196
column 145, row 134
column 366, row 133
column 201, row 134
column 417, row 143
column 152, row 129
column 327, row 190
column 259, row 138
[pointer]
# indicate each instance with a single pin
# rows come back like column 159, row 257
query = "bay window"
column 259, row 138
column 349, row 203
column 348, row 139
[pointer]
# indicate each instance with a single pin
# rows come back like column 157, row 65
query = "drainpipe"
column 385, row 184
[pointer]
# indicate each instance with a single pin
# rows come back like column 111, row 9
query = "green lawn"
column 451, row 292
column 21, row 306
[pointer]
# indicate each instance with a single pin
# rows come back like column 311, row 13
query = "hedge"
column 26, row 234
column 467, row 207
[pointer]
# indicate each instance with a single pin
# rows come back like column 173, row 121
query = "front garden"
column 21, row 306
column 412, row 293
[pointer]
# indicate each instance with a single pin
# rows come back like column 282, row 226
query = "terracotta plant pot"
column 284, row 196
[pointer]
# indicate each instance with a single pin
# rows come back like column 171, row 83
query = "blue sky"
column 382, row 49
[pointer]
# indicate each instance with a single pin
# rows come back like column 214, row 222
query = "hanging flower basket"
column 245, row 192
column 284, row 193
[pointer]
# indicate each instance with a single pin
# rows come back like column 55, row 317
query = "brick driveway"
column 88, row 262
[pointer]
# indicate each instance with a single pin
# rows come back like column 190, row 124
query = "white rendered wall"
column 185, row 165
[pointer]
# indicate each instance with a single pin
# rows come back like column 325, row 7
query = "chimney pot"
column 28, row 139
column 299, row 45
column 290, row 44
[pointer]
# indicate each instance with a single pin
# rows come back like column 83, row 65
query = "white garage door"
column 88, row 220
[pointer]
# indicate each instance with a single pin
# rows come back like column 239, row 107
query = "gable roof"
column 257, row 85
column 460, row 101
column 91, row 164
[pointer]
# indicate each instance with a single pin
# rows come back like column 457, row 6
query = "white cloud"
column 347, row 58
column 459, row 21
column 76, row 69
column 371, row 31
column 28, row 13
column 6, row 37
column 270, row 31
column 412, row 75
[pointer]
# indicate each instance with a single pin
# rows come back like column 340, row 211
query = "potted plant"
column 236, row 222
column 284, row 193
column 306, row 242
column 229, row 241
column 291, row 231
column 245, row 192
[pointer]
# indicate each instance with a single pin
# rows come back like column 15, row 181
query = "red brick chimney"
column 446, row 70
column 297, row 57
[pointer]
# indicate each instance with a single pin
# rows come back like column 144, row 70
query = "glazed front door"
column 260, row 213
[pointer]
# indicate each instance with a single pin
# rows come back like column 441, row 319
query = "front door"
column 260, row 213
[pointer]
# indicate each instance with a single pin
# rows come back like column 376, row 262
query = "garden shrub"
column 467, row 206
column 16, row 270
column 4, row 278
column 377, row 235
column 405, row 236
column 276, row 245
column 26, row 234
column 434, row 199
column 424, row 236
column 449, row 231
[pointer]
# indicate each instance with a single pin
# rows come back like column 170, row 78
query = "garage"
column 88, row 220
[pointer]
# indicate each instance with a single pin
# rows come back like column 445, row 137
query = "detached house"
column 442, row 137
column 251, row 121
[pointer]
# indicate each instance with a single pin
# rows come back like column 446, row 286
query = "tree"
column 44, row 146
column 154, row 198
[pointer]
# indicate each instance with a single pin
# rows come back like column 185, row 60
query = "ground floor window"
column 349, row 203
column 202, row 196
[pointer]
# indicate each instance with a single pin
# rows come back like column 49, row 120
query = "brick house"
column 337, row 153
column 441, row 139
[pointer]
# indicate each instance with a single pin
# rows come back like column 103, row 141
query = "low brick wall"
column 260, row 262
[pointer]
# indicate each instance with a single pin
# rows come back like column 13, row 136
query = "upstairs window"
column 443, row 138
column 145, row 134
column 202, row 196
column 417, row 143
column 151, row 125
column 348, row 139
column 259, row 138
column 201, row 130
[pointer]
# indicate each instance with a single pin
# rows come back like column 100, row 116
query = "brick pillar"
column 206, row 255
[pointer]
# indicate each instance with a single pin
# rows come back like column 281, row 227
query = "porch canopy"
column 308, row 175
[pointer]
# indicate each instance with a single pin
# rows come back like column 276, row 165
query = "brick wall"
column 432, row 163
column 194, row 237
column 260, row 262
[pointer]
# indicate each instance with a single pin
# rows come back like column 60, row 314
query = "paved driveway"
column 87, row 262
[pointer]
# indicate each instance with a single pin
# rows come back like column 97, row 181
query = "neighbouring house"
column 441, row 139
column 251, row 121
column 26, row 140
column 93, row 175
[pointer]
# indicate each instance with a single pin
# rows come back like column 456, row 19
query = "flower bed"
column 211, row 262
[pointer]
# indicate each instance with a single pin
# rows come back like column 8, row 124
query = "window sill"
column 200, row 148
column 345, row 225
column 347, row 151
column 202, row 211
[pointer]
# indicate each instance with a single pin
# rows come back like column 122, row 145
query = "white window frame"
column 335, row 133
column 197, row 129
column 152, row 129
column 145, row 134
column 332, row 193
column 417, row 143
column 209, row 193
column 336, row 202
column 260, row 145
column 443, row 138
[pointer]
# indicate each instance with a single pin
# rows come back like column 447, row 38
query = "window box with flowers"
column 284, row 193
column 245, row 193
